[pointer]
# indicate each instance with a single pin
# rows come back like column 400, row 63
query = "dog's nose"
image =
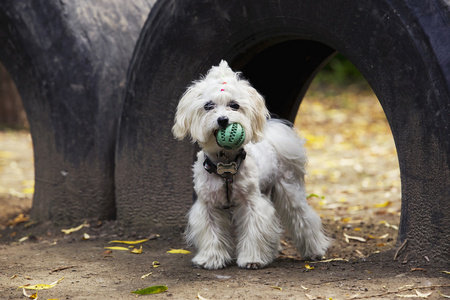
column 222, row 121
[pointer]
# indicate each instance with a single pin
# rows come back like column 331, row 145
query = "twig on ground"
column 61, row 268
column 400, row 248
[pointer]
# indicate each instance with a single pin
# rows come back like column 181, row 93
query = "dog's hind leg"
column 209, row 231
column 258, row 230
column 299, row 219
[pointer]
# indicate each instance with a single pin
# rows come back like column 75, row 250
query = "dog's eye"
column 234, row 105
column 209, row 105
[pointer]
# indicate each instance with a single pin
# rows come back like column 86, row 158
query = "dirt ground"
column 353, row 183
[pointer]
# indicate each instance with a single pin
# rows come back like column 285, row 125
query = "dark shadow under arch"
column 283, row 72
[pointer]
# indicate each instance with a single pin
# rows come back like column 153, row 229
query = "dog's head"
column 220, row 98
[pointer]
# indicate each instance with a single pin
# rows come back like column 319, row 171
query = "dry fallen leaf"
column 156, row 264
column 405, row 286
column 309, row 267
column 151, row 290
column 21, row 240
column 69, row 231
column 357, row 238
column 389, row 225
column 417, row 295
column 17, row 220
column 137, row 251
column 179, row 251
column 310, row 297
column 129, row 242
column 107, row 252
column 41, row 286
column 328, row 260
column 200, row 297
column 384, row 204
column 117, row 248
column 442, row 295
column 85, row 237
column 29, row 296
column 146, row 275
column 423, row 295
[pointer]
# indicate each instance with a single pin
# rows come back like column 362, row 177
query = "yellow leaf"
column 179, row 251
column 151, row 290
column 129, row 242
column 276, row 288
column 137, row 251
column 28, row 191
column 309, row 267
column 446, row 272
column 155, row 264
column 357, row 229
column 69, row 231
column 117, row 248
column 6, row 154
column 346, row 220
column 41, row 286
column 384, row 204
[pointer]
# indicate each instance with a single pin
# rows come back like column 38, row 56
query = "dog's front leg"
column 258, row 232
column 209, row 231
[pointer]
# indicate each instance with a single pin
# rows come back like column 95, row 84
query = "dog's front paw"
column 212, row 262
column 253, row 266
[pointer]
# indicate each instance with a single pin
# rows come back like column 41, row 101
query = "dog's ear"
column 259, row 114
column 184, row 114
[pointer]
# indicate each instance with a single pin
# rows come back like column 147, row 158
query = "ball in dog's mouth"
column 231, row 137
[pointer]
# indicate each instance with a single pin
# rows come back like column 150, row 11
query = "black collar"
column 226, row 171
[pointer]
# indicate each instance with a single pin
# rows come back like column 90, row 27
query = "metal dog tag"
column 227, row 168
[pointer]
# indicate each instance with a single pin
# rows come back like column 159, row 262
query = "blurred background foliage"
column 340, row 72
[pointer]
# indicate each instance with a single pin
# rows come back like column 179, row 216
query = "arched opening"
column 354, row 178
column 16, row 155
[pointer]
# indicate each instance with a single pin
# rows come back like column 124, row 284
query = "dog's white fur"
column 268, row 187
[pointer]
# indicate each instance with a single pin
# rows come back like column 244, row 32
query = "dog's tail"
column 288, row 145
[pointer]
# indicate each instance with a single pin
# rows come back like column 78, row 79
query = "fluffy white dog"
column 249, row 190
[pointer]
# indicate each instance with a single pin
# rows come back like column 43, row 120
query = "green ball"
column 231, row 137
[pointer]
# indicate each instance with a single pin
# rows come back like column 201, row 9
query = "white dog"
column 258, row 186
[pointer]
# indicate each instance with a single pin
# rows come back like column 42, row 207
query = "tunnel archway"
column 382, row 39
column 283, row 72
